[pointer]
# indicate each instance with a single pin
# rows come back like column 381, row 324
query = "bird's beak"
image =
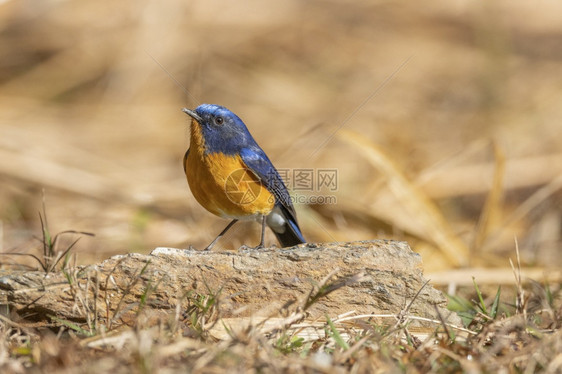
column 192, row 114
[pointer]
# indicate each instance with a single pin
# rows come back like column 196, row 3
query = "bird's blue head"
column 222, row 130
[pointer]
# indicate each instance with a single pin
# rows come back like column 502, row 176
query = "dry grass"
column 517, row 333
column 458, row 151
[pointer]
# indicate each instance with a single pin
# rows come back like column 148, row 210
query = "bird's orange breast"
column 223, row 184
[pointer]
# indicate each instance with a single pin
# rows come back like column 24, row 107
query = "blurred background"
column 442, row 121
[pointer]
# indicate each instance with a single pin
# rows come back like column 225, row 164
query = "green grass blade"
column 72, row 326
column 336, row 335
column 482, row 304
column 496, row 304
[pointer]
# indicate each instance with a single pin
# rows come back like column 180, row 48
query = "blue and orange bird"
column 232, row 177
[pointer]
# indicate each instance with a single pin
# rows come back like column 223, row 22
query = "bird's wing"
column 257, row 161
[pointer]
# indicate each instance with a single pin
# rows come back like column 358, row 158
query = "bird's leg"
column 221, row 234
column 261, row 245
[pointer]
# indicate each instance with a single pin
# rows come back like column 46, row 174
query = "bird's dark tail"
column 285, row 227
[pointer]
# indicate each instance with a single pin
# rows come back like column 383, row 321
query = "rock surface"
column 371, row 277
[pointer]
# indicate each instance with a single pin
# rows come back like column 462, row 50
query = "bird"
column 231, row 176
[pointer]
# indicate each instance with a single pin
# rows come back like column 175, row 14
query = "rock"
column 367, row 277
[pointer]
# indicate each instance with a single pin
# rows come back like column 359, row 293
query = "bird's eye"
column 219, row 120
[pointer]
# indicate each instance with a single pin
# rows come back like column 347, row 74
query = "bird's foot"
column 244, row 247
column 192, row 248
